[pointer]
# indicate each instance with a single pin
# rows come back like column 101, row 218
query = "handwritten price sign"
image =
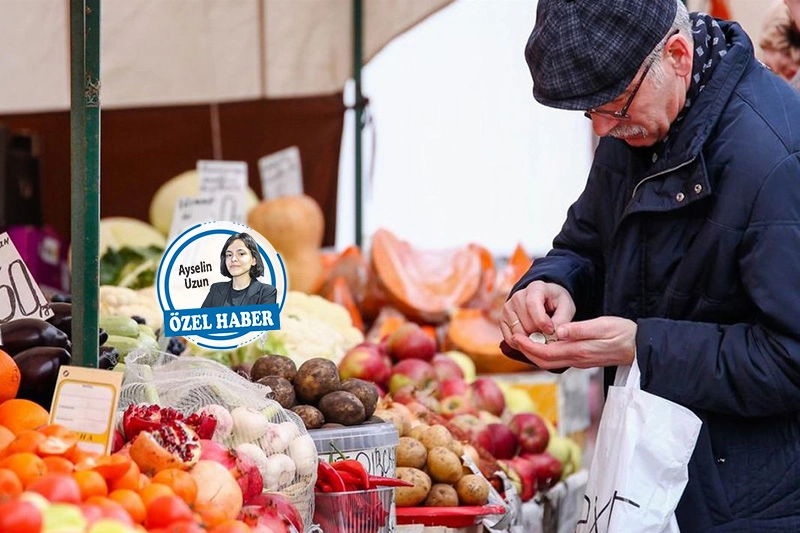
column 20, row 295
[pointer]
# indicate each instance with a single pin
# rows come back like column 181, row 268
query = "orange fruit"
column 18, row 415
column 91, row 484
column 6, row 436
column 9, row 377
column 231, row 526
column 112, row 466
column 27, row 466
column 153, row 491
column 10, row 485
column 211, row 515
column 131, row 479
column 58, row 464
column 27, row 440
column 131, row 502
column 181, row 482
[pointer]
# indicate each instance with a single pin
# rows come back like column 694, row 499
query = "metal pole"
column 359, row 112
column 85, row 169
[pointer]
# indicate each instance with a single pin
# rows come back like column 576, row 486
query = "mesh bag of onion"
column 267, row 440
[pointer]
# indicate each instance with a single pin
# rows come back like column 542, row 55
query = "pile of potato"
column 429, row 457
column 315, row 392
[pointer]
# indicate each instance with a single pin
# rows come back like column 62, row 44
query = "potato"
column 457, row 447
column 436, row 435
column 443, row 465
column 311, row 416
column 411, row 453
column 365, row 391
column 342, row 407
column 416, row 431
column 282, row 390
column 472, row 490
column 411, row 496
column 441, row 495
column 394, row 417
column 314, row 379
column 273, row 365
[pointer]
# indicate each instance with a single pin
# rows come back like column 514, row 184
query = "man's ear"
column 680, row 53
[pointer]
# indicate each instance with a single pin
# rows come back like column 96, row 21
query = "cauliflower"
column 312, row 326
column 129, row 302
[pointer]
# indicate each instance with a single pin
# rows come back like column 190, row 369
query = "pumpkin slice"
column 517, row 265
column 339, row 292
column 426, row 285
column 482, row 298
column 473, row 332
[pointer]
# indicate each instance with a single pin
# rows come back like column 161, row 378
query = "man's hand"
column 538, row 307
column 604, row 341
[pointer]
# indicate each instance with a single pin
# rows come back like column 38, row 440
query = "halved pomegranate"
column 143, row 417
column 173, row 446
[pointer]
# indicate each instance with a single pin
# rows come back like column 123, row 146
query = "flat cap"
column 584, row 53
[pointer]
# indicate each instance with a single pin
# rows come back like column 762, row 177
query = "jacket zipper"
column 648, row 178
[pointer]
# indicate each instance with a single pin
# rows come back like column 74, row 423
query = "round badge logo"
column 221, row 285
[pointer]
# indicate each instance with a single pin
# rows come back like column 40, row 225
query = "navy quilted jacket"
column 701, row 247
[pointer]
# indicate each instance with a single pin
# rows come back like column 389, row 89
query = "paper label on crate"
column 20, row 295
column 227, row 182
column 281, row 174
column 85, row 401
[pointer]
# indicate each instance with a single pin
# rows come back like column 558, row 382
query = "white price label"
column 20, row 295
column 227, row 182
column 190, row 211
column 281, row 174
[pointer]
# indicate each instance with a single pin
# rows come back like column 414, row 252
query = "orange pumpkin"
column 474, row 333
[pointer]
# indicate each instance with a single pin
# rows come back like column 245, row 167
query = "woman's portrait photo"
column 240, row 261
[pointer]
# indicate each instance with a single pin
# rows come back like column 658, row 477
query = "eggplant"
column 102, row 337
column 19, row 335
column 62, row 317
column 108, row 357
column 39, row 368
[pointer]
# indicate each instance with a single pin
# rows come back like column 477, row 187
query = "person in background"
column 780, row 42
column 682, row 254
column 241, row 261
column 794, row 12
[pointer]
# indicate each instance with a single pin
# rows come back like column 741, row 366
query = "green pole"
column 85, row 170
column 359, row 112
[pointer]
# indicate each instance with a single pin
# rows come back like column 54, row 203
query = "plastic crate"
column 361, row 511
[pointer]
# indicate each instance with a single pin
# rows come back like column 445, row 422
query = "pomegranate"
column 138, row 418
column 217, row 487
column 243, row 468
column 173, row 446
column 281, row 505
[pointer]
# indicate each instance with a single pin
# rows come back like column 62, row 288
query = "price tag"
column 190, row 211
column 227, row 182
column 281, row 173
column 85, row 401
column 20, row 295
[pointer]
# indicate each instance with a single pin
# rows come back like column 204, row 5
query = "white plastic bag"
column 640, row 465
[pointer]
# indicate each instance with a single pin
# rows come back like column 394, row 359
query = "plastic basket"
column 361, row 511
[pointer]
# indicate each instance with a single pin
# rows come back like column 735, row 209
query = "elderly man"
column 682, row 255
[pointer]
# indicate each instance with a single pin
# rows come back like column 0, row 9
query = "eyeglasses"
column 622, row 114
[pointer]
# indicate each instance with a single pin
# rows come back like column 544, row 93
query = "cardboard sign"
column 190, row 211
column 85, row 401
column 226, row 181
column 20, row 295
column 281, row 174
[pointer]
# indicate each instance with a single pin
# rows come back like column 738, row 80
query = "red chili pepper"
column 327, row 475
column 380, row 481
column 355, row 471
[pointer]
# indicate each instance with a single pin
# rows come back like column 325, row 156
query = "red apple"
column 410, row 341
column 488, row 396
column 367, row 361
column 548, row 469
column 527, row 476
column 454, row 387
column 446, row 367
column 468, row 423
column 415, row 372
column 531, row 432
column 452, row 406
column 503, row 443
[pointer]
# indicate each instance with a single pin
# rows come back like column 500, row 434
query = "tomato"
column 57, row 488
column 166, row 510
column 20, row 517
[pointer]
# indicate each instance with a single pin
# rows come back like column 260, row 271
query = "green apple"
column 106, row 525
column 63, row 518
column 465, row 362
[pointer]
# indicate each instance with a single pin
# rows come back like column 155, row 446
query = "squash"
column 474, row 333
column 426, row 285
column 484, row 295
column 295, row 226
column 338, row 291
